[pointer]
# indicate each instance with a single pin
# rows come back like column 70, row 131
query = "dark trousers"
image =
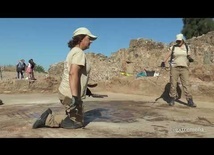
column 20, row 75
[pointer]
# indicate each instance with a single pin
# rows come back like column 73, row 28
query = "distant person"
column 32, row 64
column 29, row 71
column 20, row 66
column 24, row 67
column 1, row 70
column 73, row 86
column 179, row 68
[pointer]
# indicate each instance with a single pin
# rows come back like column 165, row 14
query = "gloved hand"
column 75, row 101
column 163, row 64
column 190, row 59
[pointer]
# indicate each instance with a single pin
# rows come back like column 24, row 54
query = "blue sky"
column 45, row 39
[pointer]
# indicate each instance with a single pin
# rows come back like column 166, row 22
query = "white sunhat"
column 85, row 31
column 179, row 36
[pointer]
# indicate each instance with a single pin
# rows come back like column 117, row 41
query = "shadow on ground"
column 91, row 115
column 165, row 95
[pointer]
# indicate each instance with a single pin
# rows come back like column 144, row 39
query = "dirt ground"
column 110, row 115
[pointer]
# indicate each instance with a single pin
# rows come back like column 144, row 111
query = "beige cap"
column 179, row 37
column 85, row 31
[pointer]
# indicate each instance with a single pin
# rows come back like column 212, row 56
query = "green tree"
column 194, row 27
column 40, row 69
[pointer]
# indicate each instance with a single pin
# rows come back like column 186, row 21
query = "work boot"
column 67, row 123
column 172, row 101
column 191, row 103
column 77, row 113
column 41, row 121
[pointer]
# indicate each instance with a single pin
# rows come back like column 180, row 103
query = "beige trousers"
column 183, row 74
column 75, row 113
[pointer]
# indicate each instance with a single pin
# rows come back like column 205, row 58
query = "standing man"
column 23, row 68
column 1, row 70
column 19, row 69
column 73, row 86
column 179, row 68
